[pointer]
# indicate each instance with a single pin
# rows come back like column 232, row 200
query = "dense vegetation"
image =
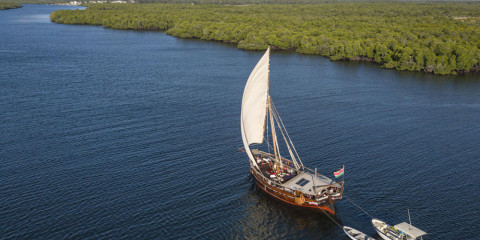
column 440, row 38
column 8, row 5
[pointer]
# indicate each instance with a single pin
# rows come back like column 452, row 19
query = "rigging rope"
column 276, row 116
column 357, row 206
column 286, row 132
column 279, row 121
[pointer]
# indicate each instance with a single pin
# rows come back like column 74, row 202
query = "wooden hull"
column 289, row 198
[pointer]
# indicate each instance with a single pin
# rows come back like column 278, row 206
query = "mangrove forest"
column 9, row 5
column 434, row 37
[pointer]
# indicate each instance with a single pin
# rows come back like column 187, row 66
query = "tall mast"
column 274, row 136
column 288, row 142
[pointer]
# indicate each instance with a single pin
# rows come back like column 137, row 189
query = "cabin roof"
column 410, row 230
column 304, row 182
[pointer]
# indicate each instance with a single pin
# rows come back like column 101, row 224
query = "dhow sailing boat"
column 287, row 180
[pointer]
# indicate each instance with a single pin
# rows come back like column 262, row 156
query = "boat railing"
column 288, row 162
column 285, row 161
column 278, row 185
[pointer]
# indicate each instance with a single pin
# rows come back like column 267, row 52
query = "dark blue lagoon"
column 108, row 134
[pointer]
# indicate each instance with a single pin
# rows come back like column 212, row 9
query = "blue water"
column 108, row 134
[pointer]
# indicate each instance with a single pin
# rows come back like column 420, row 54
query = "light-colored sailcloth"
column 254, row 105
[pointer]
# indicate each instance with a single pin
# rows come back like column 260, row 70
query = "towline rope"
column 332, row 219
column 353, row 204
column 357, row 206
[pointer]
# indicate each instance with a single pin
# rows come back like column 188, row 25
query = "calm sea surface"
column 108, row 134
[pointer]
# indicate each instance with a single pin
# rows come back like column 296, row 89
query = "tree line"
column 435, row 37
column 9, row 5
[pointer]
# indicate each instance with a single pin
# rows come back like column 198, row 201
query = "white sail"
column 254, row 105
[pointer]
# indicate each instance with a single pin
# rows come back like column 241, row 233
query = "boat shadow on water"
column 303, row 218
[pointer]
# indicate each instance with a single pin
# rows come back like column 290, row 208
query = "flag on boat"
column 339, row 172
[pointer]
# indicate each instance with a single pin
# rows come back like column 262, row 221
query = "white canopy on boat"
column 304, row 182
column 410, row 230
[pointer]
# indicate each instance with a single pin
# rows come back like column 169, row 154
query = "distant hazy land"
column 435, row 37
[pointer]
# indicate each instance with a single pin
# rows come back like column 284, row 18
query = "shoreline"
column 9, row 5
column 432, row 47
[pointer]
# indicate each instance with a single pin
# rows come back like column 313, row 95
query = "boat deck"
column 289, row 178
column 266, row 167
column 309, row 183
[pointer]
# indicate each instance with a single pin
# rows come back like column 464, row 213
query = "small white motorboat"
column 355, row 234
column 401, row 231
